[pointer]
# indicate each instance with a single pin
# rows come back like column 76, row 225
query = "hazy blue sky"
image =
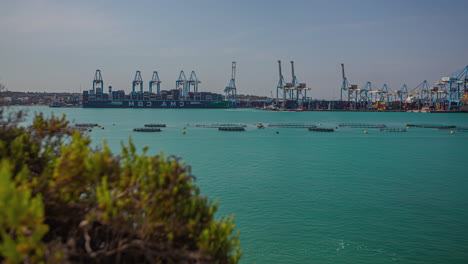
column 57, row 45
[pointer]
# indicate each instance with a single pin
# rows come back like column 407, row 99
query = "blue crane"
column 231, row 90
column 294, row 82
column 456, row 84
column 137, row 81
column 182, row 83
column 418, row 92
column 155, row 80
column 402, row 92
column 350, row 90
column 345, row 84
column 382, row 94
column 193, row 81
column 98, row 82
column 364, row 92
column 301, row 89
column 280, row 85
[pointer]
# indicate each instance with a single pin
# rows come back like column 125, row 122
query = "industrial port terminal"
column 449, row 94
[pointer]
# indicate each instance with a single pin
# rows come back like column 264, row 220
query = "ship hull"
column 155, row 104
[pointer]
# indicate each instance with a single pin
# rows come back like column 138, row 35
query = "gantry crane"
column 182, row 83
column 300, row 88
column 281, row 85
column 231, row 90
column 193, row 82
column 98, row 82
column 155, row 80
column 350, row 90
column 137, row 81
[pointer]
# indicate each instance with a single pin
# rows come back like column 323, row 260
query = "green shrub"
column 62, row 201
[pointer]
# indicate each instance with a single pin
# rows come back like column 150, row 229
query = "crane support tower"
column 137, row 81
column 351, row 91
column 231, row 90
column 300, row 88
column 193, row 82
column 294, row 83
column 182, row 83
column 98, row 83
column 456, row 84
column 155, row 80
column 280, row 87
column 382, row 94
column 345, row 84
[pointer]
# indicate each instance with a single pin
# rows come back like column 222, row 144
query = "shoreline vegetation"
column 63, row 202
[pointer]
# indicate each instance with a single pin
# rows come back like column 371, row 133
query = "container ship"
column 186, row 95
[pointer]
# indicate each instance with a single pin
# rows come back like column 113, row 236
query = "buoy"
column 183, row 132
column 407, row 127
column 452, row 132
column 113, row 124
column 365, row 132
column 102, row 127
column 277, row 132
column 187, row 124
column 184, row 128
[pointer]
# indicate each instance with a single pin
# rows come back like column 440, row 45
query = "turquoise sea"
column 308, row 197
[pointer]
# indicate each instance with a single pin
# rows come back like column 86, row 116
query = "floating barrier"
column 86, row 125
column 431, row 126
column 393, row 130
column 218, row 125
column 291, row 125
column 83, row 129
column 147, row 130
column 231, row 128
column 362, row 125
column 155, row 125
column 321, row 129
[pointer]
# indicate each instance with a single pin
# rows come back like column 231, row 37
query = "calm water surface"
column 307, row 197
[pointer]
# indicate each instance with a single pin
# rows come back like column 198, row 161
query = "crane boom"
column 343, row 72
column 292, row 69
column 280, row 73
column 233, row 74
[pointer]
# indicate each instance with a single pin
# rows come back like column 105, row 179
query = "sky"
column 56, row 46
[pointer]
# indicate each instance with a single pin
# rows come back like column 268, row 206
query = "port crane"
column 350, row 90
column 231, row 90
column 381, row 95
column 365, row 94
column 281, row 85
column 402, row 94
column 155, row 80
column 98, row 82
column 193, row 82
column 182, row 83
column 300, row 88
column 137, row 81
column 455, row 85
column 397, row 97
